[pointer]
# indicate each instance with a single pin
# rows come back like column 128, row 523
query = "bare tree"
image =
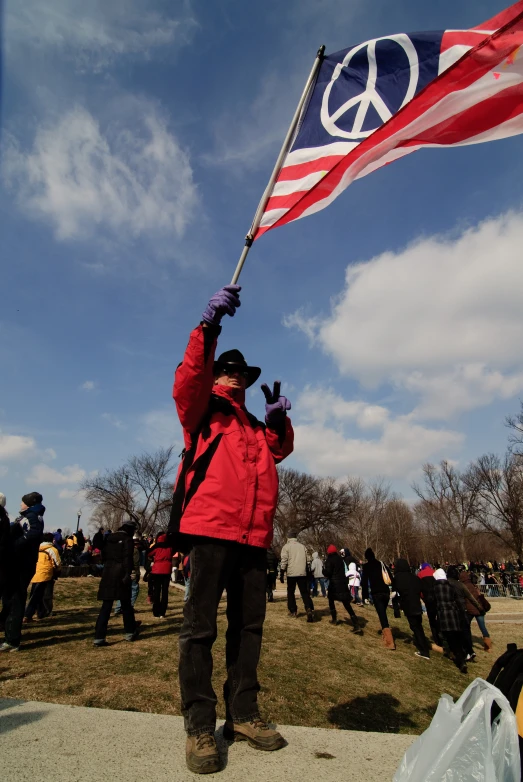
column 319, row 507
column 141, row 489
column 399, row 535
column 366, row 516
column 499, row 487
column 449, row 501
column 515, row 424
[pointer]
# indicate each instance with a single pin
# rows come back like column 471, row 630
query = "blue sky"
column 137, row 138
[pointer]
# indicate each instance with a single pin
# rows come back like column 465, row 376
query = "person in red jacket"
column 161, row 554
column 223, row 509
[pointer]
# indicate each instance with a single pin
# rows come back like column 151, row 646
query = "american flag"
column 376, row 102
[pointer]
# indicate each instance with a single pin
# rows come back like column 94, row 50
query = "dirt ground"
column 311, row 674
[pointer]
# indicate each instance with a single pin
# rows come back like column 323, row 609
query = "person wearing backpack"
column 376, row 575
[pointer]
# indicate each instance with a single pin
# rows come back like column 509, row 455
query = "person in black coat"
column 372, row 575
column 5, row 542
column 334, row 570
column 116, row 583
column 26, row 534
column 408, row 593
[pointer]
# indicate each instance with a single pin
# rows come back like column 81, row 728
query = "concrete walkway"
column 45, row 742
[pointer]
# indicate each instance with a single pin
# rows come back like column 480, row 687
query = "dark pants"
column 467, row 637
column 48, row 599
column 303, row 586
column 271, row 584
column 321, row 583
column 160, row 592
column 380, row 604
column 242, row 570
column 36, row 601
column 432, row 614
column 454, row 639
column 420, row 639
column 15, row 595
column 129, row 622
column 345, row 600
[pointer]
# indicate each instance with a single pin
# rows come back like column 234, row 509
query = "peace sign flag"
column 380, row 100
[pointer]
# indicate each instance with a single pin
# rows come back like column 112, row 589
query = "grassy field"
column 317, row 675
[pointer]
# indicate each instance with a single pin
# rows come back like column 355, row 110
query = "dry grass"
column 316, row 674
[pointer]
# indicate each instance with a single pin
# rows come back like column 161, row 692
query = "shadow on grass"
column 379, row 712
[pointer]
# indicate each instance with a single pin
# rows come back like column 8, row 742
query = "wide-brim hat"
column 233, row 358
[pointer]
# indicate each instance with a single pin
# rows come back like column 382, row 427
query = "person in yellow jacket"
column 42, row 583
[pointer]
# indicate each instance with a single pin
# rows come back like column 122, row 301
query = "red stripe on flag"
column 503, row 18
column 471, row 67
column 300, row 170
column 285, row 201
column 473, row 121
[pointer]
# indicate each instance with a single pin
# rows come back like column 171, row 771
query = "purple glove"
column 276, row 406
column 224, row 301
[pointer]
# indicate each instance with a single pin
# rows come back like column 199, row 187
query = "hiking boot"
column 310, row 616
column 201, row 754
column 487, row 643
column 256, row 732
column 388, row 639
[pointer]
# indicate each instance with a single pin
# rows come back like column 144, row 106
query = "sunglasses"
column 234, row 370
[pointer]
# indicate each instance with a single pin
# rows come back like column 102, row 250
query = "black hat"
column 34, row 498
column 233, row 358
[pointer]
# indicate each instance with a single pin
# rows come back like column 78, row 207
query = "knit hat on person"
column 2, row 500
column 34, row 498
column 424, row 565
column 292, row 535
column 332, row 549
column 440, row 575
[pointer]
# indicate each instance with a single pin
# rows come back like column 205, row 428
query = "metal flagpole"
column 285, row 148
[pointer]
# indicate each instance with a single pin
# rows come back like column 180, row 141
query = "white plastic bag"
column 461, row 745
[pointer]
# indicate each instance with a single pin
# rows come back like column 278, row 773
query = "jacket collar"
column 234, row 395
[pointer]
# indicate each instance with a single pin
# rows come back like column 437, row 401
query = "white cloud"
column 93, row 34
column 14, row 446
column 328, row 443
column 50, row 453
column 160, row 428
column 42, row 474
column 113, row 420
column 89, row 385
column 130, row 179
column 72, row 494
column 441, row 319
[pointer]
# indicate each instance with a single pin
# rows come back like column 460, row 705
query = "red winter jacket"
column 231, row 488
column 162, row 557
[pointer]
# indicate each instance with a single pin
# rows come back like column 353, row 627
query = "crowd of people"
column 452, row 597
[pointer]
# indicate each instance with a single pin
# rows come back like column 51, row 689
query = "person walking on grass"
column 318, row 575
column 116, row 583
column 354, row 582
column 473, row 612
column 408, row 592
column 161, row 555
column 334, row 570
column 135, row 577
column 42, row 583
column 295, row 562
column 464, row 596
column 428, row 583
column 223, row 510
column 25, row 538
column 451, row 617
column 377, row 575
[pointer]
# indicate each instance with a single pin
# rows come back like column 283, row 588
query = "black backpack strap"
column 181, row 498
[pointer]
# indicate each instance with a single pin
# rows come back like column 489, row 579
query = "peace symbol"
column 370, row 97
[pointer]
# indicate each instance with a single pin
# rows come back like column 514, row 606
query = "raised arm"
column 279, row 432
